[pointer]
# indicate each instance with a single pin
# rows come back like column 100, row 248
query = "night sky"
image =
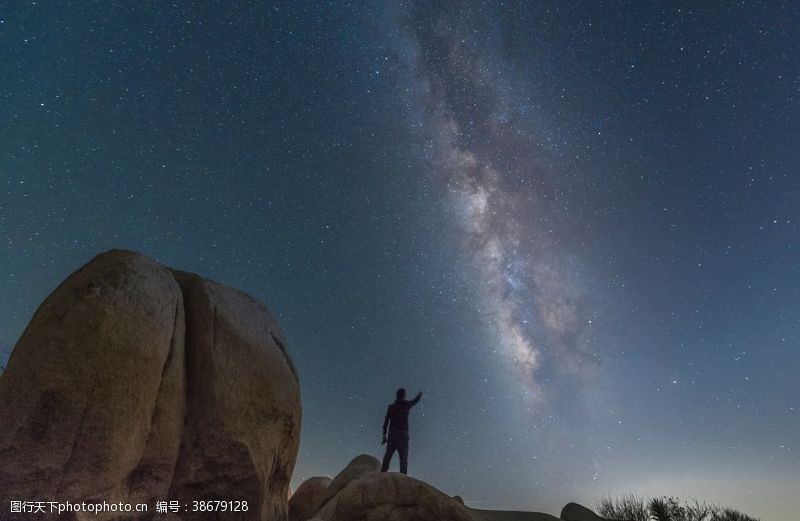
column 574, row 225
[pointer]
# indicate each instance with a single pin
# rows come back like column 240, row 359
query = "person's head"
column 401, row 394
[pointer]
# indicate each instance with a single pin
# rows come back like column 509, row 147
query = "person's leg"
column 403, row 459
column 402, row 450
column 387, row 457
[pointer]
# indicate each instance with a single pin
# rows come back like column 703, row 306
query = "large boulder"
column 96, row 372
column 134, row 383
column 243, row 407
column 307, row 499
column 576, row 512
column 357, row 467
column 390, row 496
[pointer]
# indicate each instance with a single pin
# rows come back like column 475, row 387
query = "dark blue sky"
column 575, row 225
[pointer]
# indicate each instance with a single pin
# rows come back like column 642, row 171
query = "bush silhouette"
column 629, row 507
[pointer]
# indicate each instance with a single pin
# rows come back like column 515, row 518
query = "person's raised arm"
column 416, row 400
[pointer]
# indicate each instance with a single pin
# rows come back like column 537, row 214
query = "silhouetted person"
column 397, row 423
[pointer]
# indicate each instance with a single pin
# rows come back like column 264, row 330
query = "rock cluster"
column 361, row 493
column 136, row 383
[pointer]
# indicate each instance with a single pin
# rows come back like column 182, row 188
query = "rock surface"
column 361, row 493
column 390, row 496
column 509, row 515
column 243, row 407
column 136, row 383
column 357, row 467
column 307, row 499
column 576, row 512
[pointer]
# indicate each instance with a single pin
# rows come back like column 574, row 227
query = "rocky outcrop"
column 357, row 467
column 307, row 499
column 243, row 406
column 361, row 493
column 78, row 398
column 136, row 383
column 390, row 496
column 576, row 512
column 509, row 515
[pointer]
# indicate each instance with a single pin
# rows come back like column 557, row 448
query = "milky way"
column 488, row 163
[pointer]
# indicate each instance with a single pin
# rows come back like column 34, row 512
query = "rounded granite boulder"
column 356, row 468
column 390, row 496
column 576, row 512
column 307, row 499
column 136, row 383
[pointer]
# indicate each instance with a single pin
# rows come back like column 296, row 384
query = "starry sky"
column 574, row 225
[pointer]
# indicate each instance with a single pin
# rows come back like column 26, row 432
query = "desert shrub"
column 698, row 511
column 729, row 514
column 661, row 509
column 629, row 507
